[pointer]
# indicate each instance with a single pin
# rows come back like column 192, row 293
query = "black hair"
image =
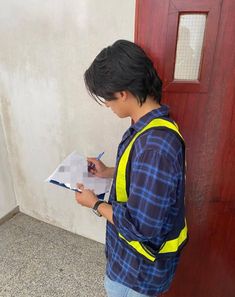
column 123, row 66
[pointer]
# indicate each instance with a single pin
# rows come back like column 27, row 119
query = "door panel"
column 205, row 112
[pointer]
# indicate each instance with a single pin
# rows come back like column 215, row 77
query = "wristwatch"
column 95, row 207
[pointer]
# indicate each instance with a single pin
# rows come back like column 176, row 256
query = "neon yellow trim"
column 121, row 193
column 170, row 246
column 138, row 247
column 173, row 245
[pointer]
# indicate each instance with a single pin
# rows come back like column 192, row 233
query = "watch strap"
column 95, row 207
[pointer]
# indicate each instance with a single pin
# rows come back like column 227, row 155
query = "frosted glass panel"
column 189, row 46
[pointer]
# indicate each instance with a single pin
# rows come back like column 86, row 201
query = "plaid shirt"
column 156, row 183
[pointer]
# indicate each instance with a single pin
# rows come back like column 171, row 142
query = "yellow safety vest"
column 173, row 245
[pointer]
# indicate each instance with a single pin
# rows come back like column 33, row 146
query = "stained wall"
column 46, row 112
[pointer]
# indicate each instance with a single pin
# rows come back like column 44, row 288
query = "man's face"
column 119, row 105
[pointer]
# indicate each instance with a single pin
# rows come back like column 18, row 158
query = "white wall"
column 45, row 48
column 7, row 196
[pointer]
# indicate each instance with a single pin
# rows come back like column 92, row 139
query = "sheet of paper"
column 74, row 170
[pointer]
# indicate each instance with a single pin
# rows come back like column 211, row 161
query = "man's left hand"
column 86, row 198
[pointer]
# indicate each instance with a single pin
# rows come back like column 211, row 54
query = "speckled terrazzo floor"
column 37, row 259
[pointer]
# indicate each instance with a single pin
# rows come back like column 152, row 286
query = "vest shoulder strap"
column 121, row 180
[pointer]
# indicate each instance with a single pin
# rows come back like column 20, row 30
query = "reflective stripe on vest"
column 170, row 246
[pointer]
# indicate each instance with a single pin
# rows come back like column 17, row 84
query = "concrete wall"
column 7, row 195
column 45, row 48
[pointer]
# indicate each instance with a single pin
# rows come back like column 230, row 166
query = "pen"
column 91, row 165
column 99, row 156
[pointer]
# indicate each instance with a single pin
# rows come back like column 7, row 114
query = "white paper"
column 74, row 170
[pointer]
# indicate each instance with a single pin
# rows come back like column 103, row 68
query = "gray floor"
column 37, row 259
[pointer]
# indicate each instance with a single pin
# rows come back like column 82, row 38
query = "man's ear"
column 123, row 95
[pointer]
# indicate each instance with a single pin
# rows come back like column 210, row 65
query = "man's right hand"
column 99, row 169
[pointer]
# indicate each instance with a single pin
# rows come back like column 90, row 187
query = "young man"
column 146, row 226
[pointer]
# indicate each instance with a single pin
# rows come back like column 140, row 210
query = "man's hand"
column 98, row 168
column 86, row 198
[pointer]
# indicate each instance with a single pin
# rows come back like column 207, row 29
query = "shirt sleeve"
column 153, row 188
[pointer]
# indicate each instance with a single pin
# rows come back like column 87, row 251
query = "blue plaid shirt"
column 156, row 183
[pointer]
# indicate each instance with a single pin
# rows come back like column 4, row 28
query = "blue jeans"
column 114, row 289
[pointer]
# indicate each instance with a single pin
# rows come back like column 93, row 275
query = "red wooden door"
column 205, row 110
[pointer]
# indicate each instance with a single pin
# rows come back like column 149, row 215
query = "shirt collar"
column 162, row 111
